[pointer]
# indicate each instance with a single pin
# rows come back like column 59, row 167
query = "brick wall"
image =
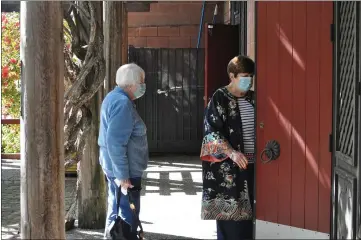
column 168, row 25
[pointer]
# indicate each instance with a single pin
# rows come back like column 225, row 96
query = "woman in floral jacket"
column 228, row 154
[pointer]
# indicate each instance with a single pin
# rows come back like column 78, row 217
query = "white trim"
column 269, row 230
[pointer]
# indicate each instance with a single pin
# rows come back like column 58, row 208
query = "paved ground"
column 170, row 201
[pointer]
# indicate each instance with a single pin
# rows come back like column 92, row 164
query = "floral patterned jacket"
column 222, row 125
column 227, row 189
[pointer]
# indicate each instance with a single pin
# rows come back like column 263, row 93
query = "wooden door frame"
column 255, row 119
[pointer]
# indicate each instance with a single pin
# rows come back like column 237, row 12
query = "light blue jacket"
column 122, row 137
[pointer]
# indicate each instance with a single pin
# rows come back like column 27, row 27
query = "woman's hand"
column 124, row 183
column 239, row 159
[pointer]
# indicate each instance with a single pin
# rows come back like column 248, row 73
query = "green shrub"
column 10, row 80
column 10, row 142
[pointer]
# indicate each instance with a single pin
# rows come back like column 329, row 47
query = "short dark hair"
column 240, row 64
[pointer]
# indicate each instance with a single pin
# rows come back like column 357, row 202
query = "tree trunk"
column 91, row 182
column 42, row 153
column 113, row 40
column 92, row 190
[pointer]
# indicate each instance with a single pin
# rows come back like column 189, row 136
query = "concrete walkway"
column 170, row 204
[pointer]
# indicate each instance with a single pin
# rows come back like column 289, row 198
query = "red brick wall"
column 168, row 25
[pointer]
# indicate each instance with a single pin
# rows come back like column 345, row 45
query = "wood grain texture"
column 326, row 69
column 92, row 190
column 312, row 127
column 92, row 187
column 42, row 122
column 124, row 35
column 113, row 41
column 294, row 101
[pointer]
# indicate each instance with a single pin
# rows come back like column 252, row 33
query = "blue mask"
column 244, row 84
column 140, row 91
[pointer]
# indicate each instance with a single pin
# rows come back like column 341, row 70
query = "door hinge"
column 332, row 32
column 330, row 140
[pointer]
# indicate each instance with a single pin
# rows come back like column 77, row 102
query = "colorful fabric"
column 226, row 187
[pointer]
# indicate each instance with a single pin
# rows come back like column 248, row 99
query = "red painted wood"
column 299, row 113
column 294, row 100
column 285, row 113
column 324, row 206
column 15, row 156
column 261, row 90
column 272, row 83
column 220, row 47
column 10, row 121
column 313, row 11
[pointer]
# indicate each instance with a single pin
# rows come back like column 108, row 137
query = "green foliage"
column 10, row 64
column 10, row 80
column 10, row 139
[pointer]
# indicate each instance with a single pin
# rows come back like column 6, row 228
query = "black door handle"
column 272, row 151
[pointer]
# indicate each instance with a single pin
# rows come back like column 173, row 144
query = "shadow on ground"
column 98, row 234
column 168, row 183
column 167, row 177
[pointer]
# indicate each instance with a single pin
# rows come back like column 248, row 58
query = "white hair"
column 129, row 74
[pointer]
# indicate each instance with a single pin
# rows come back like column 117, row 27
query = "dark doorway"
column 172, row 107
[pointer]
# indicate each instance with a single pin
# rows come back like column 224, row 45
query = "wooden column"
column 114, row 40
column 125, row 35
column 42, row 121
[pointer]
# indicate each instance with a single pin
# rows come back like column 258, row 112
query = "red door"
column 221, row 45
column 294, row 107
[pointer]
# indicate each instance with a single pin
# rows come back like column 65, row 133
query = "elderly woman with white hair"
column 123, row 142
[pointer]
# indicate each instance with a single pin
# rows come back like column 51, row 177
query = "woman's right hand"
column 124, row 183
column 239, row 159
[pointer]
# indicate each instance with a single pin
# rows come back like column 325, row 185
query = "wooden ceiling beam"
column 133, row 6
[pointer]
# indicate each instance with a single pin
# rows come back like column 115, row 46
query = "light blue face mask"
column 140, row 91
column 244, row 84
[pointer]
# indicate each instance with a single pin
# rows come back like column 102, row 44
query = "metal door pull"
column 272, row 151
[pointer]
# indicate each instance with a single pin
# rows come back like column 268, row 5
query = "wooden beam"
column 10, row 121
column 113, row 41
column 42, row 124
column 15, row 156
column 134, row 6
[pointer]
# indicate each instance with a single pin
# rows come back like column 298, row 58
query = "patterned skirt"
column 227, row 191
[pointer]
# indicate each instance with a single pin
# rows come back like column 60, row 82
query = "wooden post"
column 125, row 35
column 113, row 40
column 92, row 188
column 42, row 121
